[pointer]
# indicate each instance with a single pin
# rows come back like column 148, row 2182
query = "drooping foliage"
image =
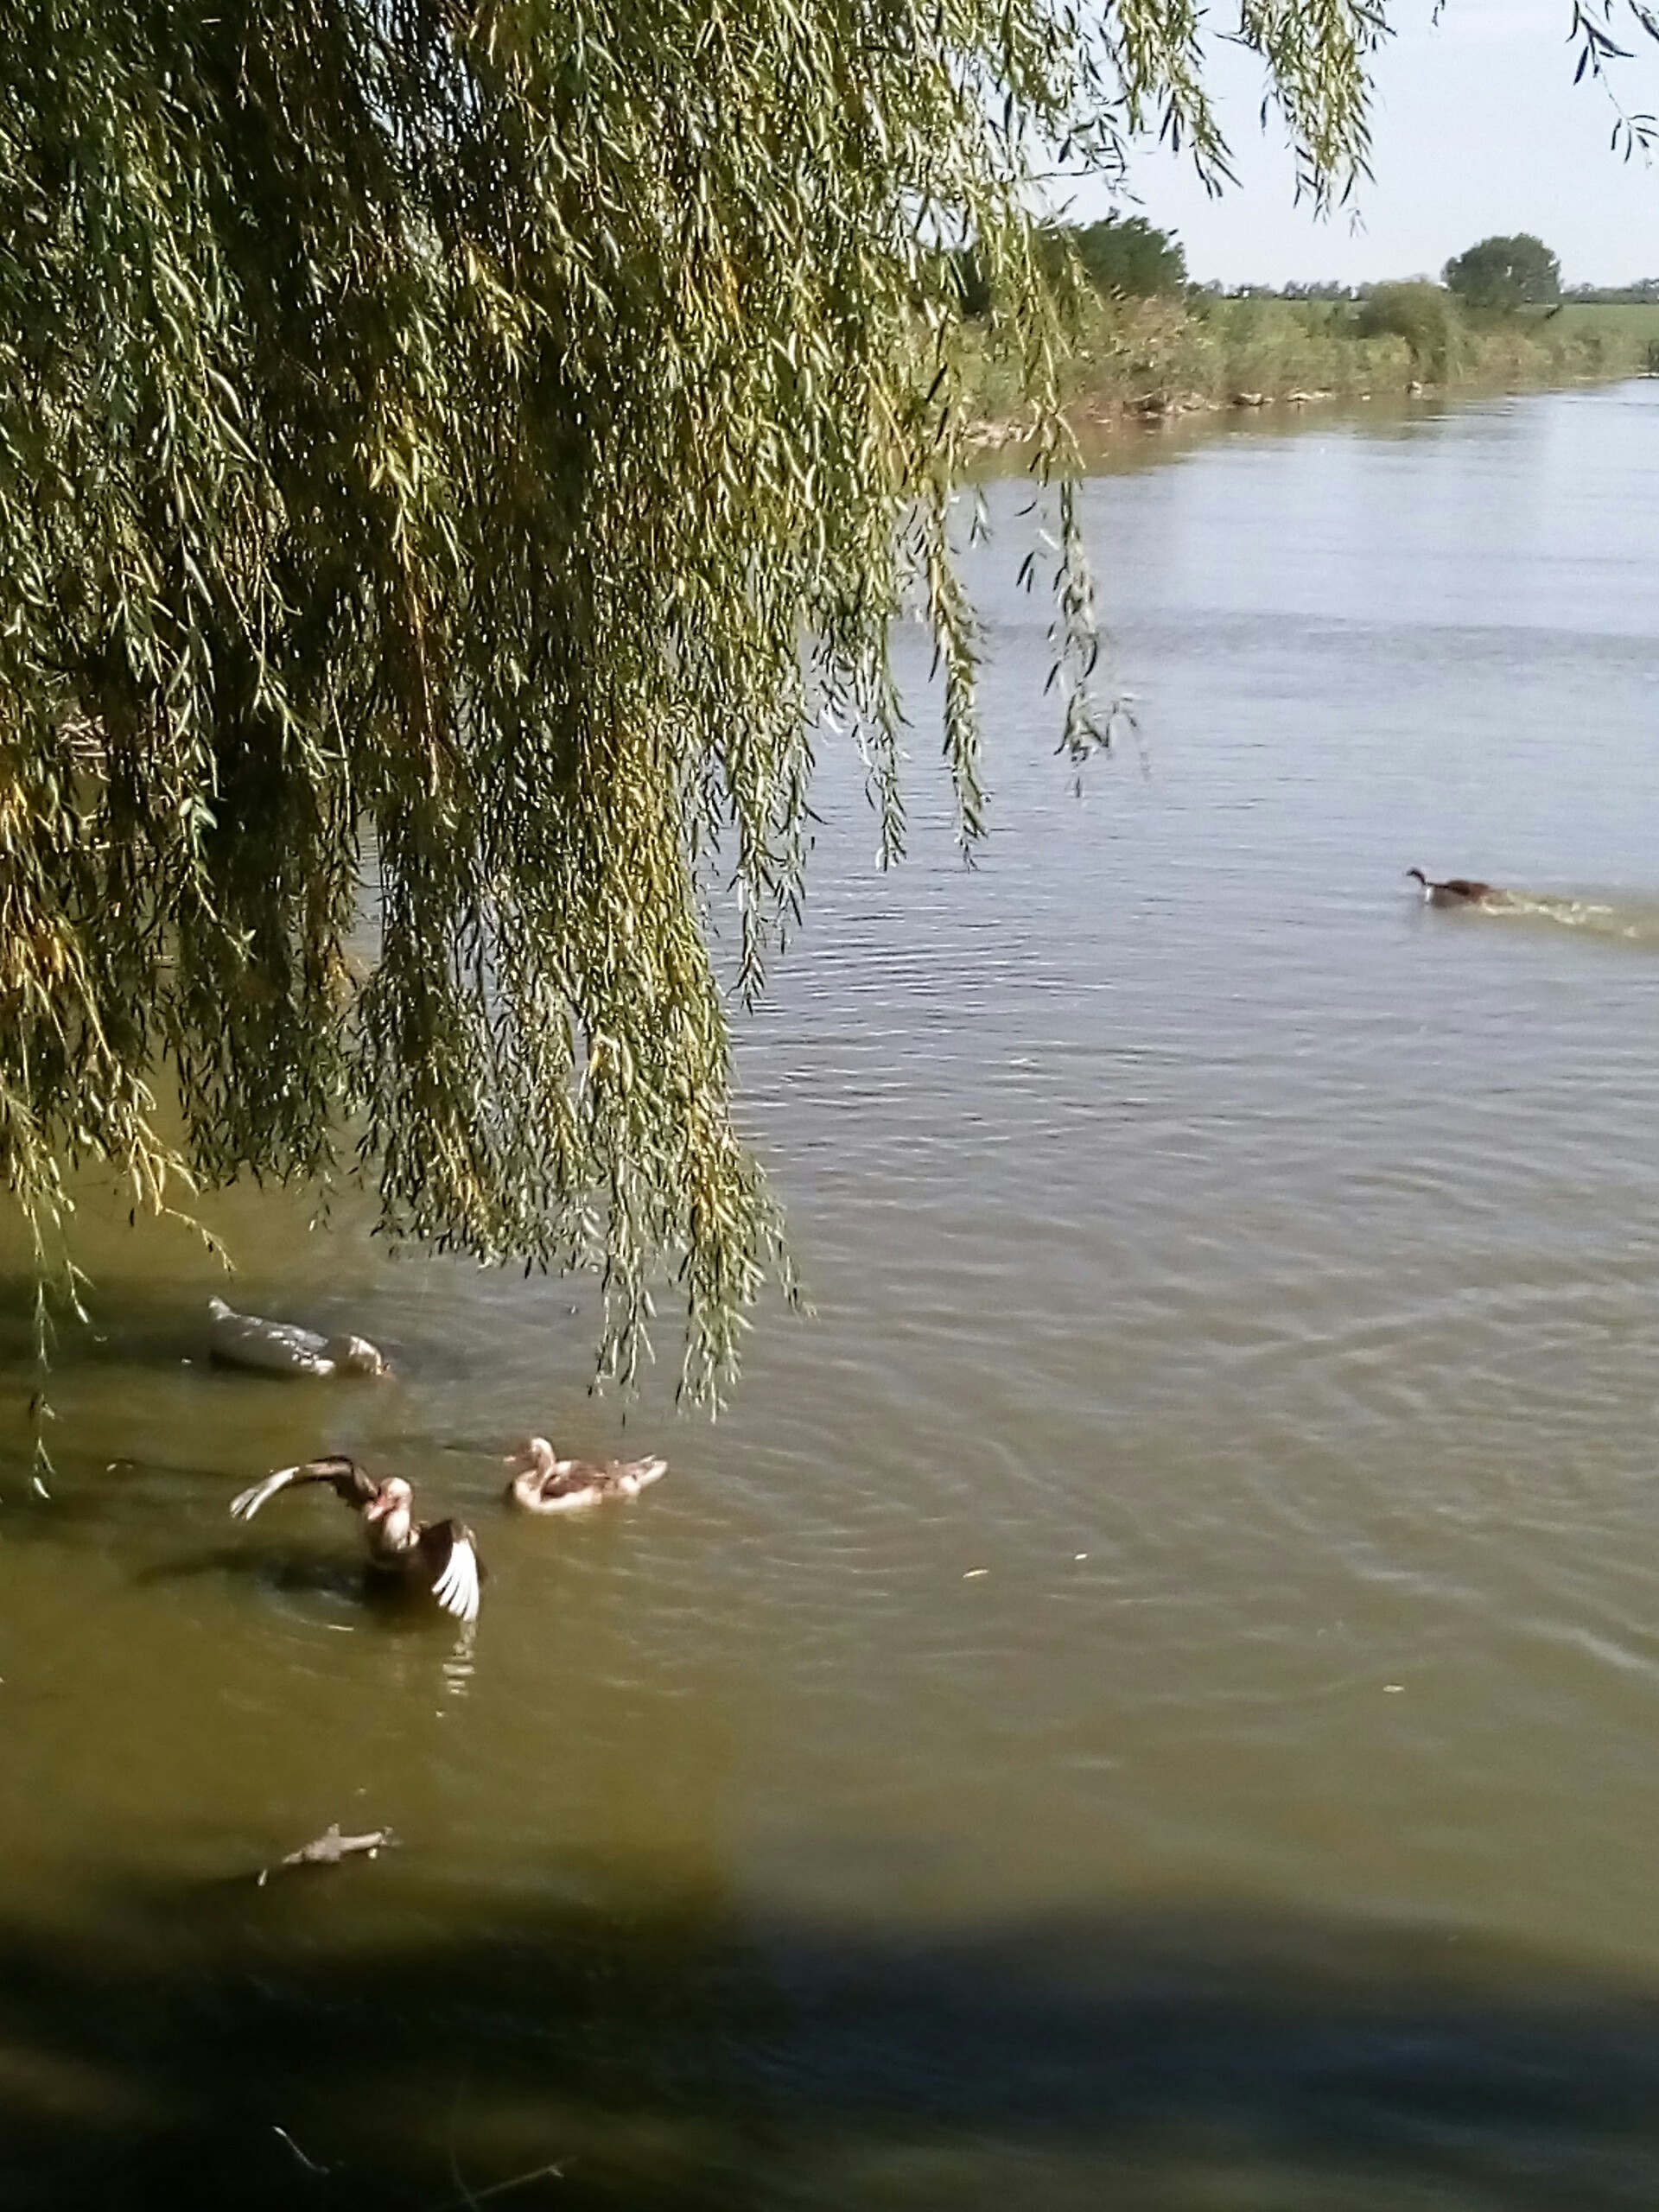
column 457, row 459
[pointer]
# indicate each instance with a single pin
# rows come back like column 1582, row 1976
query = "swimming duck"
column 284, row 1348
column 543, row 1483
column 1454, row 891
column 440, row 1556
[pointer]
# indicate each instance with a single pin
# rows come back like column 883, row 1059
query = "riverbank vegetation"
column 1163, row 346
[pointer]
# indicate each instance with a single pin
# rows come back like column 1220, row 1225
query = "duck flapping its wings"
column 451, row 1555
column 349, row 1483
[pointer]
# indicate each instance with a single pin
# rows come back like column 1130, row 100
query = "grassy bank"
column 1627, row 323
column 1168, row 356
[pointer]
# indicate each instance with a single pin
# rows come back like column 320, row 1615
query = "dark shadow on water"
column 347, row 2039
column 390, row 1607
column 289, row 1570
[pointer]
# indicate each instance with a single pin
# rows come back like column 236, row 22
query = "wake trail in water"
column 1628, row 921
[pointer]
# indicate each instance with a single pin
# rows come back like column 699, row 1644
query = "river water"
column 1149, row 1698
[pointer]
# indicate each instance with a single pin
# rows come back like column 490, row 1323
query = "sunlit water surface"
column 1151, row 1696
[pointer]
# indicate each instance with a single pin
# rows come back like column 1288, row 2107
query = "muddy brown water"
column 1151, row 1696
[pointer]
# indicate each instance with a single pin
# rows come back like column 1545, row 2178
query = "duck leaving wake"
column 1629, row 921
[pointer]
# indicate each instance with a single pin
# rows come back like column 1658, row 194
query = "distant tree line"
column 1126, row 256
column 1643, row 293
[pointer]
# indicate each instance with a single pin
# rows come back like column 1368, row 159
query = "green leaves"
column 455, row 461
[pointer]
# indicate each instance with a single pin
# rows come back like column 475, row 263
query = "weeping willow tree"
column 457, row 458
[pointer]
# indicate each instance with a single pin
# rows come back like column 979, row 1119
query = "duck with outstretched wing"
column 439, row 1556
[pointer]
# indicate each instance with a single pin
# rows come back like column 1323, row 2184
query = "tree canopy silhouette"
column 1126, row 254
column 457, row 459
column 1505, row 273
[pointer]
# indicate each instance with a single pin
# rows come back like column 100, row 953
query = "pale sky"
column 1477, row 128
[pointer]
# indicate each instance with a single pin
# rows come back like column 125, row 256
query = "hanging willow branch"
column 454, row 456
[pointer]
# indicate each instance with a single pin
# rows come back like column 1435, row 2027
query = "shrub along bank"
column 1202, row 350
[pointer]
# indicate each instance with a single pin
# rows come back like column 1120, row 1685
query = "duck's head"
column 357, row 1355
column 531, row 1455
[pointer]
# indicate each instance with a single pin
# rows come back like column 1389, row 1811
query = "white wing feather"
column 456, row 1588
column 247, row 1503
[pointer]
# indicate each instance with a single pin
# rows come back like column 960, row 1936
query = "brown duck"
column 543, row 1483
column 440, row 1556
column 1453, row 890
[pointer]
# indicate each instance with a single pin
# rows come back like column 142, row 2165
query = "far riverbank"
column 1140, row 360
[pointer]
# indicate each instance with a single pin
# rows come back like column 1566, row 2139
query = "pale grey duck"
column 284, row 1348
